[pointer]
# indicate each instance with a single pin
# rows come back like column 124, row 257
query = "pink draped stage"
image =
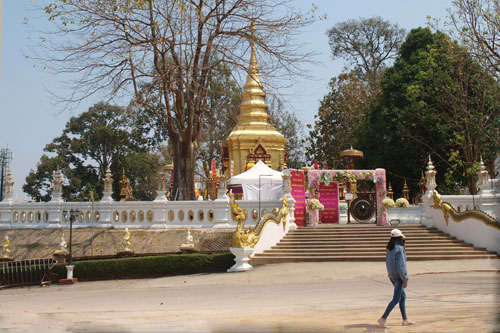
column 314, row 177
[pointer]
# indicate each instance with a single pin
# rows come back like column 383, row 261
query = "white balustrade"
column 131, row 214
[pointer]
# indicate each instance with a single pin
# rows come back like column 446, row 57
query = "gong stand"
column 364, row 207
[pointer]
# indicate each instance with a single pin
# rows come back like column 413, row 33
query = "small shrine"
column 253, row 138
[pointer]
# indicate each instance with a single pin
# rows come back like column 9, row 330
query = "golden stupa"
column 253, row 138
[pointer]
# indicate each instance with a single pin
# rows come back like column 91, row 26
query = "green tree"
column 340, row 114
column 435, row 100
column 287, row 123
column 175, row 46
column 101, row 138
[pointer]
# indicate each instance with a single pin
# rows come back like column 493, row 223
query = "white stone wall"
column 131, row 214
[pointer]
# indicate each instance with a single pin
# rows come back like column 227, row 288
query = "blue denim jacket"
column 395, row 261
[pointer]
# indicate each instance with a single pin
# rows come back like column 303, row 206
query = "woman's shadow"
column 365, row 328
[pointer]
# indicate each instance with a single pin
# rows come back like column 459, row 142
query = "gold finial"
column 406, row 191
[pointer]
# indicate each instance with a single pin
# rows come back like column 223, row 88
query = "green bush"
column 137, row 267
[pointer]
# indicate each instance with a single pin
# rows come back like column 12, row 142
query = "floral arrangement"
column 314, row 204
column 388, row 203
column 402, row 203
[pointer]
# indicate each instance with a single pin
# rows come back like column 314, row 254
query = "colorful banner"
column 329, row 197
column 298, row 191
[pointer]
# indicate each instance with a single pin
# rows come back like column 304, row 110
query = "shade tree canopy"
column 175, row 46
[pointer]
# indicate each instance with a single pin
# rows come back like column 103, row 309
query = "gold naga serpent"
column 249, row 238
column 448, row 210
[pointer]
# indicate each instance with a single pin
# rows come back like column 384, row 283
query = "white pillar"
column 242, row 257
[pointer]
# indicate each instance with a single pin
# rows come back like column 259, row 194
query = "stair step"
column 366, row 243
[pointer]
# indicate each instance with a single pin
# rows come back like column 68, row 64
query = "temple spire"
column 253, row 107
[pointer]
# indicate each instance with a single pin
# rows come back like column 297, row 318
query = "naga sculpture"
column 449, row 210
column 249, row 238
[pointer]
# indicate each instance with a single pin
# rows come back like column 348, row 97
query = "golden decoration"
column 254, row 138
column 249, row 238
column 6, row 247
column 126, row 189
column 449, row 210
column 126, row 241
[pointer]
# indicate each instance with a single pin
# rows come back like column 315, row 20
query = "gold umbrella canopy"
column 351, row 154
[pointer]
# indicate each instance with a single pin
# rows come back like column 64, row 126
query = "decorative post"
column 57, row 186
column 406, row 192
column 287, row 189
column 430, row 175
column 487, row 195
column 9, row 188
column 222, row 188
column 483, row 177
column 108, row 186
column 73, row 213
column 390, row 192
column 126, row 241
column 161, row 190
column 427, row 199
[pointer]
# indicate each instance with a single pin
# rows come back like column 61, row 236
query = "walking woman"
column 395, row 261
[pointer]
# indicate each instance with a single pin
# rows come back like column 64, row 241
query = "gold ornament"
column 449, row 210
column 250, row 238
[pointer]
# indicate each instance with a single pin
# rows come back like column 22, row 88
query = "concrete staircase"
column 361, row 242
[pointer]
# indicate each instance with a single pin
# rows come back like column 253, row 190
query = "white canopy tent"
column 260, row 182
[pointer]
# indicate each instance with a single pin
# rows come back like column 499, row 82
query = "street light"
column 73, row 214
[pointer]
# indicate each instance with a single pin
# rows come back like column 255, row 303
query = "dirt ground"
column 443, row 296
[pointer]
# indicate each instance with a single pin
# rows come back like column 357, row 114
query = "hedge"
column 140, row 267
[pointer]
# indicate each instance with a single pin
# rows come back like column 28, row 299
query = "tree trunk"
column 184, row 169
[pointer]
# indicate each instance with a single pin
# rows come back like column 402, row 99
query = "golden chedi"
column 253, row 138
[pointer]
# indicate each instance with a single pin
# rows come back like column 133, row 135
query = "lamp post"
column 73, row 213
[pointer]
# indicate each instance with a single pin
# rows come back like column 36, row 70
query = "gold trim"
column 250, row 238
column 449, row 210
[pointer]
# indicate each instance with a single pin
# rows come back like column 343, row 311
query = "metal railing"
column 27, row 272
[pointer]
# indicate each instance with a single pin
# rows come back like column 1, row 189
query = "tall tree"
column 340, row 114
column 176, row 45
column 101, row 138
column 436, row 100
column 478, row 24
column 368, row 45
column 287, row 123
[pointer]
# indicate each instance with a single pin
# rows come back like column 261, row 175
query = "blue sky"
column 29, row 120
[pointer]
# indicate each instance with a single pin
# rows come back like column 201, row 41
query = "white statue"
column 63, row 245
column 189, row 244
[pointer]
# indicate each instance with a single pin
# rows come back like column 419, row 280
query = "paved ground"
column 443, row 296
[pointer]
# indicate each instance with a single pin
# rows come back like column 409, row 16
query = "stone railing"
column 131, row 214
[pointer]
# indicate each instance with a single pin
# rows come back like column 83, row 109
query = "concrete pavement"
column 443, row 296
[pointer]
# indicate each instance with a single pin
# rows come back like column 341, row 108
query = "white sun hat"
column 397, row 233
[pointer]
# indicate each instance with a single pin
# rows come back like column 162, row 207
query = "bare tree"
column 367, row 44
column 176, row 45
column 478, row 24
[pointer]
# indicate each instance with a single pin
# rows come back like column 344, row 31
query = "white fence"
column 131, row 214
